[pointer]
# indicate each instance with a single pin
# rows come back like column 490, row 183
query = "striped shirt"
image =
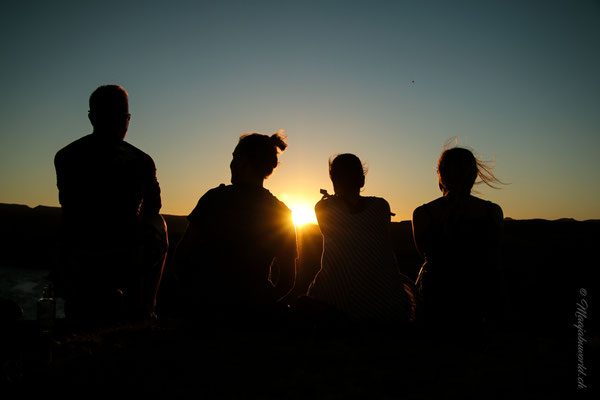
column 359, row 273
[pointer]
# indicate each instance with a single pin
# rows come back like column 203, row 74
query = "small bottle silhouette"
column 46, row 308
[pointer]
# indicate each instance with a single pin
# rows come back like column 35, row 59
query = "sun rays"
column 302, row 214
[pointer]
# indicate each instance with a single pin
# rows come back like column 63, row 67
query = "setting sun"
column 303, row 214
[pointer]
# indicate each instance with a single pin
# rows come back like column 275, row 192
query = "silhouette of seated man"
column 238, row 238
column 359, row 274
column 459, row 236
column 113, row 240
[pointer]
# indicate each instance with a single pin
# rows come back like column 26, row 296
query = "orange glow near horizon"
column 303, row 214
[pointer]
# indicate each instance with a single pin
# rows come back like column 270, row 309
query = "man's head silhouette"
column 109, row 111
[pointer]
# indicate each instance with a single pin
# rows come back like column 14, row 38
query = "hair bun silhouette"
column 278, row 140
column 261, row 150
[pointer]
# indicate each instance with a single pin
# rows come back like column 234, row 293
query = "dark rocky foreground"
column 287, row 363
column 535, row 354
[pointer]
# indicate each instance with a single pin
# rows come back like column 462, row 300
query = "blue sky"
column 517, row 81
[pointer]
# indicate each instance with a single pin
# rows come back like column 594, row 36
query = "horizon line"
column 313, row 223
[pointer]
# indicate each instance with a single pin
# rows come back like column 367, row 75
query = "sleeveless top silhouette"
column 243, row 228
column 460, row 278
column 359, row 274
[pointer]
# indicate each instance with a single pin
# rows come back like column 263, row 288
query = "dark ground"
column 534, row 355
column 295, row 363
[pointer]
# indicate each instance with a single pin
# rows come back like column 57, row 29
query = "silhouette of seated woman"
column 236, row 234
column 459, row 236
column 359, row 274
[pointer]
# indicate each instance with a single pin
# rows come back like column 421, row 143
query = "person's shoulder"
column 136, row 151
column 496, row 212
column 75, row 145
column 425, row 209
column 208, row 199
column 74, row 149
column 492, row 205
column 280, row 205
column 322, row 204
column 489, row 209
column 216, row 192
column 380, row 201
column 486, row 204
column 328, row 204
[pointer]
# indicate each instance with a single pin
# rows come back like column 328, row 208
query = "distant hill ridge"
column 30, row 234
column 21, row 208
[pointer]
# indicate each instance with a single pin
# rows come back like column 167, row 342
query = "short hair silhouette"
column 261, row 151
column 458, row 169
column 347, row 172
column 108, row 99
column 109, row 111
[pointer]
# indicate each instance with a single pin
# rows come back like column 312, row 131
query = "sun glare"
column 303, row 214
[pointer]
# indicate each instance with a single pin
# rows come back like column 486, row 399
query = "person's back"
column 235, row 235
column 103, row 186
column 241, row 228
column 462, row 256
column 459, row 236
column 106, row 186
column 359, row 274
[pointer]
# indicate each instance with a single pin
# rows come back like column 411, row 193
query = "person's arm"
column 496, row 293
column 287, row 277
column 194, row 236
column 183, row 251
column 420, row 225
column 498, row 218
column 151, row 202
column 321, row 212
column 63, row 183
column 285, row 255
column 498, row 215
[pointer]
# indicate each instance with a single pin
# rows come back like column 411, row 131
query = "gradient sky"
column 517, row 81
